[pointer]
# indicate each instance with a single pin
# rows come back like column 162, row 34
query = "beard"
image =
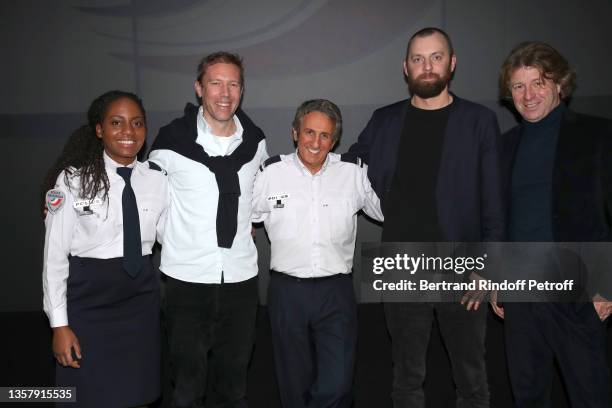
column 429, row 89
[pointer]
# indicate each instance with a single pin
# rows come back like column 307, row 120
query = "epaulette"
column 350, row 158
column 269, row 161
column 155, row 166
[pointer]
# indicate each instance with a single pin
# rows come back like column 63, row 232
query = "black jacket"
column 582, row 177
column 469, row 189
column 581, row 196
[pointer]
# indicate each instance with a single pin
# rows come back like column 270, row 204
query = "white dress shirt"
column 312, row 219
column 94, row 229
column 189, row 247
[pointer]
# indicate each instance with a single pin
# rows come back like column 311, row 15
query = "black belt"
column 313, row 279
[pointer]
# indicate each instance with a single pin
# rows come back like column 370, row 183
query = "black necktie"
column 132, row 245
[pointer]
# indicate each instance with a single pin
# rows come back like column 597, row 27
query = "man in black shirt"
column 434, row 162
column 559, row 185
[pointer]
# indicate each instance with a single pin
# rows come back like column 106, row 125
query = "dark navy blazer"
column 469, row 190
column 581, row 190
column 582, row 177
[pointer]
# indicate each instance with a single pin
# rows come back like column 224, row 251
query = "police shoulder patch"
column 349, row 158
column 269, row 161
column 55, row 200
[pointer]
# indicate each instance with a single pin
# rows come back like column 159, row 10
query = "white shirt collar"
column 112, row 165
column 210, row 141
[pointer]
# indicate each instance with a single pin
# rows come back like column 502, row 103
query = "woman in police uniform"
column 100, row 292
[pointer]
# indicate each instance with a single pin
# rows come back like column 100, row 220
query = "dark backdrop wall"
column 58, row 55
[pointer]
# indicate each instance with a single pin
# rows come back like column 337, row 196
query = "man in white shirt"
column 211, row 156
column 309, row 202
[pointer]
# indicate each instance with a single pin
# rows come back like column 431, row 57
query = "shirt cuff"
column 58, row 318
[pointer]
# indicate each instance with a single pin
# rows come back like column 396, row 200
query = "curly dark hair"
column 82, row 153
column 551, row 64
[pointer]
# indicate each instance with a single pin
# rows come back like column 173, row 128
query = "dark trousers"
column 211, row 330
column 537, row 334
column 314, row 331
column 463, row 332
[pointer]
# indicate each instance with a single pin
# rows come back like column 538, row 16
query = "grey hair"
column 320, row 105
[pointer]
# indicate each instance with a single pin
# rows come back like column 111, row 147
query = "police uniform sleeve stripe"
column 269, row 161
column 155, row 166
column 164, row 159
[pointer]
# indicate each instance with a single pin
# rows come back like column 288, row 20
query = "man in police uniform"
column 211, row 156
column 309, row 201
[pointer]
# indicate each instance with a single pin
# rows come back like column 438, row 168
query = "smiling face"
column 123, row 130
column 220, row 90
column 533, row 95
column 314, row 140
column 429, row 66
